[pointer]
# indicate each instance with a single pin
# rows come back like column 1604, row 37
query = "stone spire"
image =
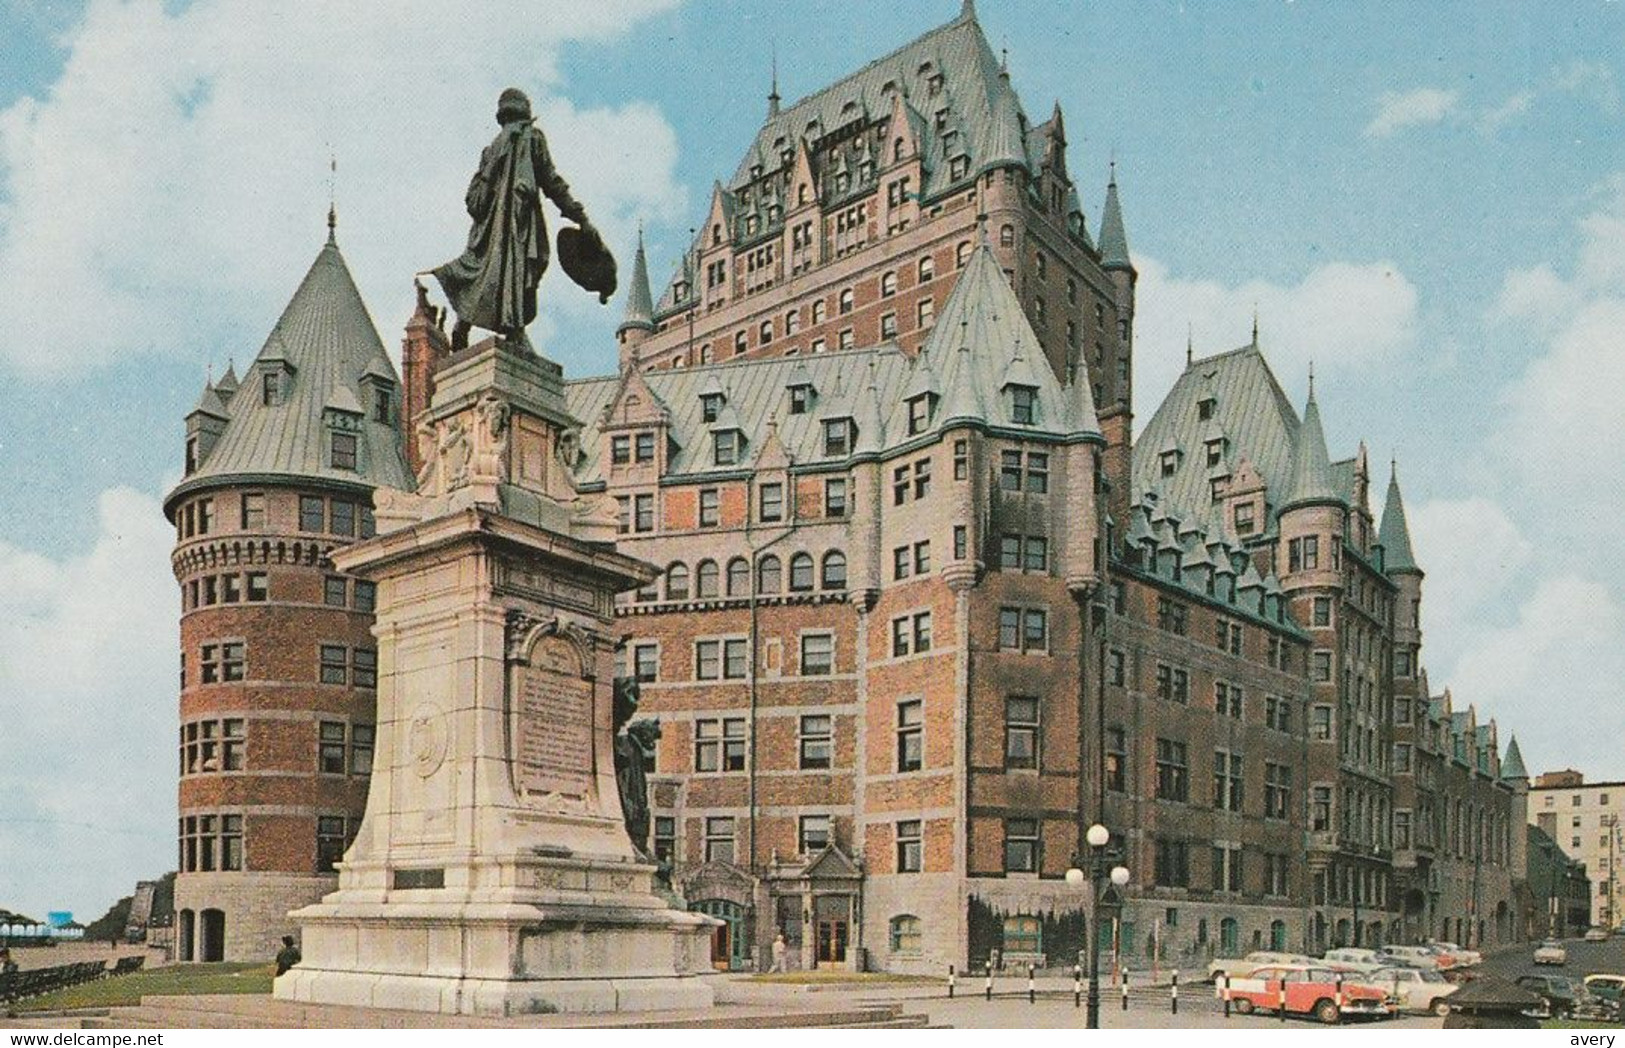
column 1512, row 762
column 967, row 11
column 639, row 302
column 1394, row 533
column 1311, row 478
column 773, row 98
column 1113, row 239
column 1001, row 144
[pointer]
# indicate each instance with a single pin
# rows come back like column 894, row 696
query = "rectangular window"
column 330, row 737
column 1035, row 554
column 899, row 485
column 1227, row 868
column 335, row 664
column 1010, row 471
column 1117, row 667
column 922, row 478
column 710, row 507
column 361, row 743
column 364, row 667
column 646, row 662
column 922, row 557
column 961, row 542
column 1227, row 699
column 343, row 451
column 312, row 513
column 1278, row 713
column 909, row 846
column 1023, row 405
column 336, row 591
column 719, row 838
column 366, row 595
column 837, row 438
column 1173, row 684
column 1402, row 757
column 1116, row 759
column 725, row 447
column 1021, row 731
column 1322, row 612
column 1402, row 830
column 1277, row 790
column 1172, row 616
column 1034, row 630
column 817, row 654
column 643, row 513
column 1228, row 789
column 814, row 833
column 645, row 447
column 620, row 450
column 770, row 503
column 253, row 511
column 342, row 519
column 817, row 741
column 1320, row 810
column 205, row 516
column 665, row 838
column 231, row 589
column 1171, row 864
column 900, row 562
column 835, row 497
column 910, row 738
column 708, row 660
column 922, row 631
column 1173, row 774
column 961, row 459
column 331, row 840
column 1021, row 846
column 1009, row 552
column 734, row 659
column 1321, row 666
column 1320, row 723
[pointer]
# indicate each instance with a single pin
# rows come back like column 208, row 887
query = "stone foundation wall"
column 255, row 906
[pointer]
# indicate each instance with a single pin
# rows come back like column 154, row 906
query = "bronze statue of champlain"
column 492, row 284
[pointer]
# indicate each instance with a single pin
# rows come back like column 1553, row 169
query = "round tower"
column 639, row 323
column 278, row 663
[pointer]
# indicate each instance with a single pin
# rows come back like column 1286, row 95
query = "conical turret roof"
column 321, row 347
column 1395, row 533
column 1113, row 237
column 640, row 307
column 1311, row 478
column 1512, row 762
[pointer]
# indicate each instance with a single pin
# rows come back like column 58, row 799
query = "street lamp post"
column 1097, row 838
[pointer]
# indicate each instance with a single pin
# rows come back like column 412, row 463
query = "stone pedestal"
column 492, row 874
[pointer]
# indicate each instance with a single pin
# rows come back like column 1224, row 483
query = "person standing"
column 778, row 952
column 288, row 956
column 8, row 983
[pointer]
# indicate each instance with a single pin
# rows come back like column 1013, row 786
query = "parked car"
column 1414, row 956
column 1356, row 959
column 1560, row 994
column 1310, row 990
column 1598, row 934
column 1234, row 966
column 1608, row 987
column 1551, row 952
column 1416, row 989
column 1460, row 954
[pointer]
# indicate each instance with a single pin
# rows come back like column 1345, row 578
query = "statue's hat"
column 587, row 260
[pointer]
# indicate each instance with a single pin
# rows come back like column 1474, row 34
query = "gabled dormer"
column 713, row 398
column 204, row 424
column 803, row 192
column 274, row 373
column 728, row 442
column 635, row 432
column 378, row 392
column 1019, row 388
column 800, row 392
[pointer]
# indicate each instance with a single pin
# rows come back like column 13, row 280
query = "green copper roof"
column 1395, row 533
column 1113, row 237
column 1311, row 479
column 640, row 308
column 1512, row 762
column 321, row 348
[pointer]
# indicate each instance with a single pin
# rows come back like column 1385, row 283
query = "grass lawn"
column 830, row 977
column 185, row 979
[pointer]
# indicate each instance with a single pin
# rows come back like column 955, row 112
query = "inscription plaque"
column 553, row 735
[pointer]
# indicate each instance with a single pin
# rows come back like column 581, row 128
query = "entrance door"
column 212, row 936
column 833, row 914
column 729, row 943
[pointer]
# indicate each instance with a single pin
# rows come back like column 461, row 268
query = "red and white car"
column 1309, row 990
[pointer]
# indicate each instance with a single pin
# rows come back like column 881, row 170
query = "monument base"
column 582, row 943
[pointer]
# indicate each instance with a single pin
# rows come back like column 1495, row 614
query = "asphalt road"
column 1585, row 958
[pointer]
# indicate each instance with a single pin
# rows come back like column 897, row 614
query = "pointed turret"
column 1113, row 238
column 1310, row 481
column 1394, row 532
column 1001, row 142
column 640, row 307
column 227, row 386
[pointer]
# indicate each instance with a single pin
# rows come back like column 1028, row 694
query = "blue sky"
column 1431, row 209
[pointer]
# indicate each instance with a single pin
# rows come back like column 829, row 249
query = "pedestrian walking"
column 778, row 952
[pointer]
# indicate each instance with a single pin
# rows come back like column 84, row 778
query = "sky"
column 1429, row 208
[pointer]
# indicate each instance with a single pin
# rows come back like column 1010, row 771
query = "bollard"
column 1125, row 989
column 1077, row 985
column 1340, row 993
column 950, row 982
column 1225, row 992
column 1173, row 994
column 987, row 987
column 1032, row 996
column 1281, row 999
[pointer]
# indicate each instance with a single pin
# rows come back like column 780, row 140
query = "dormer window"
column 1205, row 408
column 725, row 446
column 1023, row 405
column 381, row 411
column 1169, row 461
column 919, row 413
column 801, row 398
column 710, row 406
column 271, row 389
column 837, row 437
column 1215, row 452
column 342, row 451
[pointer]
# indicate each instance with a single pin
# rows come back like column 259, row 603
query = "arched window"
column 738, row 578
column 905, row 933
column 962, row 254
column 716, row 235
column 705, row 579
column 846, row 300
column 1023, row 935
column 818, row 310
column 888, row 283
column 928, row 268
column 1007, row 236
column 769, row 575
column 834, row 570
column 897, row 148
column 677, row 582
column 801, row 573
column 1229, row 937
column 766, row 332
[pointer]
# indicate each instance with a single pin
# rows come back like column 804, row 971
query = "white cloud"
column 1593, row 81
column 87, row 697
column 1463, row 577
column 183, row 157
column 1343, row 316
column 1515, row 106
column 1552, row 676
column 1397, row 110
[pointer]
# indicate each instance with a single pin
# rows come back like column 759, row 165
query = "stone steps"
column 255, row 1012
